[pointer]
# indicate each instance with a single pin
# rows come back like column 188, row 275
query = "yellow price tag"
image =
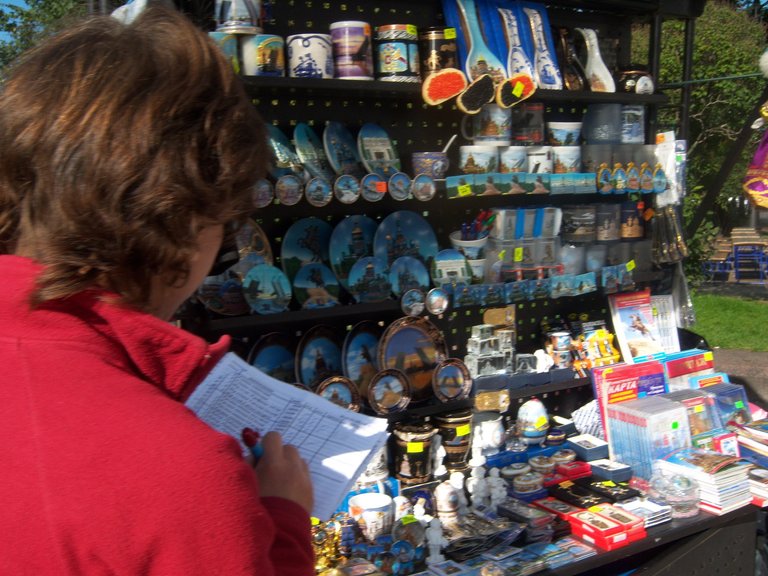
column 518, row 88
column 519, row 254
column 609, row 483
column 408, row 519
column 596, row 508
column 415, row 447
column 501, row 254
column 698, row 408
column 450, row 33
column 411, row 29
column 314, row 521
column 566, row 484
column 630, row 265
column 463, row 430
column 540, row 421
column 465, row 190
column 709, row 356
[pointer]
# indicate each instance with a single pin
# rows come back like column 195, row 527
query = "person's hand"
column 283, row 473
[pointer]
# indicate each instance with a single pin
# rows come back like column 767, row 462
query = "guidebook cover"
column 635, row 326
column 702, row 461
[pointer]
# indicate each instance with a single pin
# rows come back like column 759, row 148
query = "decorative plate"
column 414, row 346
column 423, row 187
column 251, row 239
column 305, row 242
column 389, row 392
column 318, row 192
column 289, row 189
column 318, row 356
column 407, row 273
column 449, row 269
column 341, row 150
column 369, row 280
column 377, row 150
column 315, row 286
column 359, row 354
column 267, row 289
column 273, row 354
column 310, row 150
column 284, row 158
column 373, row 187
column 437, row 301
column 400, row 186
column 341, row 391
column 262, row 193
column 412, row 303
column 223, row 294
column 346, row 189
column 451, row 380
column 351, row 239
column 405, row 233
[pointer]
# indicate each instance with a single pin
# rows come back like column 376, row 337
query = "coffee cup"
column 512, row 159
column 434, row 164
column 478, row 159
column 374, row 512
column 310, row 55
column 491, row 126
column 564, row 133
column 566, row 159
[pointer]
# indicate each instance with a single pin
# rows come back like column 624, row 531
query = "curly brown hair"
column 118, row 144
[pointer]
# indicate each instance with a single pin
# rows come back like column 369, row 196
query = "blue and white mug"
column 310, row 55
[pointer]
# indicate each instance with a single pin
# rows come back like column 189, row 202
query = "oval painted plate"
column 405, row 233
column 408, row 273
column 369, row 280
column 359, row 354
column 373, row 187
column 284, row 158
column 310, row 150
column 414, row 346
column 267, row 289
column 341, row 150
column 289, row 189
column 449, row 269
column 423, row 187
column 305, row 242
column 273, row 354
column 318, row 356
column 346, row 189
column 389, row 392
column 318, row 192
column 341, row 391
column 315, row 286
column 451, row 380
column 351, row 239
column 262, row 193
column 251, row 239
column 377, row 151
column 400, row 186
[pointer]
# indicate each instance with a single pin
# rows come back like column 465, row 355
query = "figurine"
column 402, row 507
column 435, row 541
column 456, row 479
column 480, row 493
column 477, row 458
column 497, row 487
column 438, row 451
column 475, row 476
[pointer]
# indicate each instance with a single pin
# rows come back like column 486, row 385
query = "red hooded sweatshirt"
column 104, row 470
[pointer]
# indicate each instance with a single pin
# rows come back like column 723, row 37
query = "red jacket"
column 104, row 470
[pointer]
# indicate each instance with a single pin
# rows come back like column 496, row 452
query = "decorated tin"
column 396, row 53
column 352, row 53
column 263, row 55
column 437, row 49
column 607, row 222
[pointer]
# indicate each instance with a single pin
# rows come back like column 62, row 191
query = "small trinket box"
column 563, row 456
column 572, row 470
column 520, row 511
column 513, row 470
column 588, row 447
column 592, row 523
column 529, row 482
column 544, row 465
column 625, row 519
column 557, row 507
column 610, row 490
column 605, row 469
column 576, row 495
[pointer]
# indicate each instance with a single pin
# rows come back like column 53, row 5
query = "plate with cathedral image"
column 405, row 233
column 318, row 356
column 408, row 273
column 359, row 354
column 389, row 392
column 369, row 280
column 305, row 242
column 341, row 391
column 273, row 354
column 351, row 239
column 451, row 380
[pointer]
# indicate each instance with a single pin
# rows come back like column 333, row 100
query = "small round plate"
column 306, row 241
column 262, row 193
column 318, row 356
column 318, row 192
column 423, row 187
column 449, row 269
column 289, row 190
column 315, row 286
column 351, row 239
column 341, row 391
column 310, row 150
column 405, row 233
column 377, row 151
column 451, row 380
column 412, row 302
column 400, row 186
column 284, row 158
column 251, row 239
column 373, row 187
column 369, row 280
column 407, row 273
column 267, row 289
column 346, row 188
column 273, row 354
column 359, row 354
column 341, row 150
column 223, row 294
column 389, row 392
column 437, row 301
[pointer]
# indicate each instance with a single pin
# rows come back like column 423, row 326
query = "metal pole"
column 685, row 97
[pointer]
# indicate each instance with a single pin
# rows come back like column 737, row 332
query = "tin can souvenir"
column 437, row 49
column 455, row 429
column 632, row 225
column 607, row 222
column 413, row 452
column 396, row 53
column 262, row 55
column 229, row 44
column 352, row 51
column 239, row 15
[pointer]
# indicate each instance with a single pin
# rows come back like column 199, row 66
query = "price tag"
column 519, row 254
column 314, row 521
column 566, row 484
column 698, row 408
column 465, row 190
column 411, row 29
column 450, row 33
column 415, row 447
column 675, row 425
column 462, row 430
column 630, row 265
column 381, row 186
column 408, row 519
column 709, row 356
column 517, row 89
column 608, row 483
column 738, row 404
column 540, row 422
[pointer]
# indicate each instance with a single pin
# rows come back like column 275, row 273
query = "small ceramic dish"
column 389, row 392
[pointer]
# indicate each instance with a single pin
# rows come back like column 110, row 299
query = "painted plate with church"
column 451, row 380
column 305, row 242
column 341, row 391
column 369, row 280
column 351, row 239
column 405, row 233
column 359, row 354
column 408, row 273
column 273, row 354
column 389, row 392
column 318, row 356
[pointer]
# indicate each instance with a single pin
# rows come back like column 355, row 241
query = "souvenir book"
column 635, row 326
column 681, row 367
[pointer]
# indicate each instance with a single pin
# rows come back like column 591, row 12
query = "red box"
column 627, row 520
column 558, row 507
column 575, row 469
column 611, row 542
column 592, row 523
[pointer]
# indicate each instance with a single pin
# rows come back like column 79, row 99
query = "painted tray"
column 414, row 346
column 318, row 192
column 318, row 356
column 262, row 193
column 400, row 186
column 341, row 150
column 346, row 189
column 251, row 239
column 273, row 354
column 389, row 392
column 377, row 151
column 359, row 354
column 267, row 289
column 351, row 239
column 310, row 150
column 315, row 286
column 423, row 187
column 405, row 233
column 369, row 280
column 305, row 242
column 373, row 187
column 408, row 273
column 285, row 160
column 341, row 391
column 449, row 269
column 451, row 380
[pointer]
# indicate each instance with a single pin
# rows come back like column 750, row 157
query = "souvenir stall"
column 469, row 236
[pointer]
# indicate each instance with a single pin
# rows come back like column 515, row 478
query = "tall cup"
column 310, row 55
column 492, row 126
column 352, row 50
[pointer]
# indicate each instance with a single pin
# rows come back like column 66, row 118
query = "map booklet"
column 636, row 326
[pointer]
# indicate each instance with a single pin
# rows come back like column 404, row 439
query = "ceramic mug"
column 478, row 159
column 263, row 55
column 512, row 159
column 434, row 164
column 540, row 159
column 374, row 512
column 564, row 133
column 491, row 126
column 566, row 159
column 352, row 50
column 310, row 55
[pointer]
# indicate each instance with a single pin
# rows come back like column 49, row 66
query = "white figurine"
column 456, row 479
column 477, row 458
column 435, row 541
column 497, row 487
column 438, row 452
column 480, row 493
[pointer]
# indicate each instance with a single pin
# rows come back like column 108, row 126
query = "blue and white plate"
column 273, row 354
column 405, row 233
column 267, row 289
column 318, row 356
column 305, row 242
column 400, row 186
column 373, row 187
column 351, row 239
column 318, row 192
column 369, row 280
column 359, row 354
column 311, row 152
column 346, row 189
column 408, row 273
column 449, row 269
column 284, row 158
column 341, row 150
column 315, row 286
column 377, row 151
